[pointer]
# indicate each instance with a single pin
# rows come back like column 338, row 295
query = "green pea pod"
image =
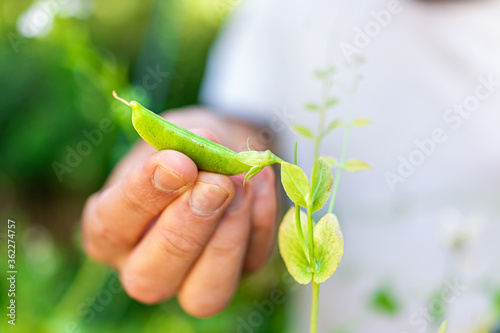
column 208, row 155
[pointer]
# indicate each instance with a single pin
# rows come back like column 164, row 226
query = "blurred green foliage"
column 385, row 301
column 56, row 87
column 496, row 302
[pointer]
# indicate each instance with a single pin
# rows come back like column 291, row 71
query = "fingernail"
column 239, row 196
column 166, row 180
column 261, row 183
column 207, row 198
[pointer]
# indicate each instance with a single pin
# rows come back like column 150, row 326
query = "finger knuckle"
column 143, row 291
column 203, row 307
column 91, row 250
column 139, row 203
column 95, row 250
column 101, row 230
column 94, row 233
column 226, row 248
column 179, row 244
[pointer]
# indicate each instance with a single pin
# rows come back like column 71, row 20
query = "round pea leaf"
column 328, row 247
column 295, row 183
column 331, row 102
column 303, row 131
column 331, row 161
column 361, row 122
column 356, row 165
column 311, row 107
column 291, row 249
column 321, row 184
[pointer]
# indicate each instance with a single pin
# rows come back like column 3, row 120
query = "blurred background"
column 62, row 133
column 59, row 62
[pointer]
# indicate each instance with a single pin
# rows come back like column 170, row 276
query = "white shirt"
column 421, row 60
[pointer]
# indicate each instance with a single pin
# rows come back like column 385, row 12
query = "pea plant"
column 312, row 251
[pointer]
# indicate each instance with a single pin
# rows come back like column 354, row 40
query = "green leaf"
column 361, row 122
column 311, row 107
column 295, row 183
column 321, row 184
column 292, row 250
column 331, row 102
column 324, row 74
column 252, row 172
column 328, row 247
column 303, row 131
column 331, row 161
column 333, row 125
column 442, row 328
column 321, row 74
column 356, row 165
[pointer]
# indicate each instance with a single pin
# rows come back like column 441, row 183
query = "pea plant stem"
column 322, row 119
column 297, row 212
column 314, row 308
column 310, row 230
column 338, row 174
column 310, row 221
column 343, row 154
column 299, row 228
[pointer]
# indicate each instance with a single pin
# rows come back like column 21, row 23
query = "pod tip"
column 115, row 95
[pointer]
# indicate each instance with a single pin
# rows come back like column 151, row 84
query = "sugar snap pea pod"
column 206, row 154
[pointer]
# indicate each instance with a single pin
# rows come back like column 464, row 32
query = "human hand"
column 169, row 228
